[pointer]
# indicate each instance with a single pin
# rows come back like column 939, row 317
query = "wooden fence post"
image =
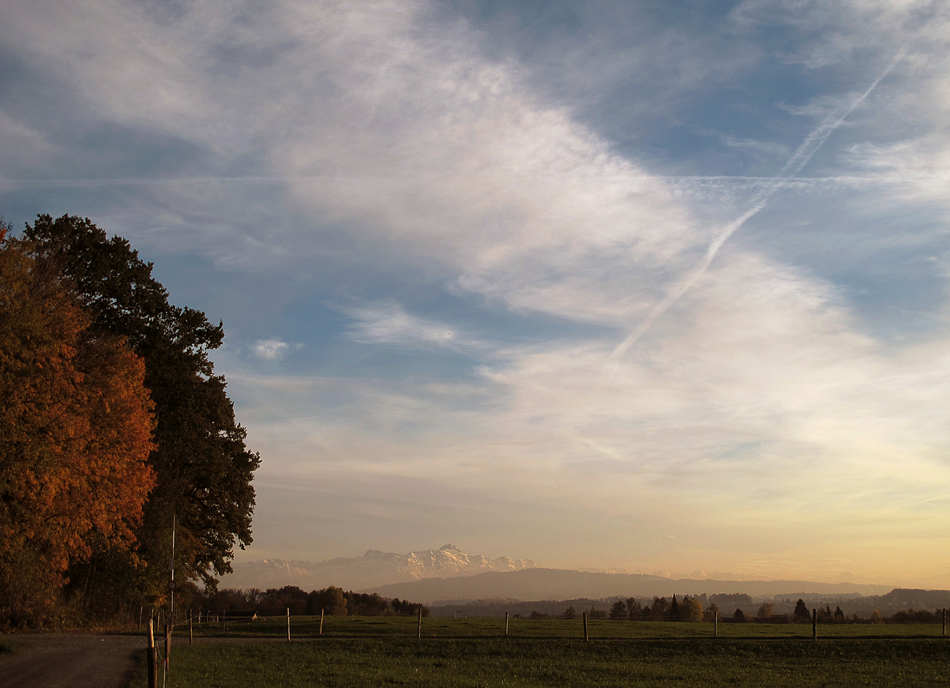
column 420, row 622
column 321, row 621
column 814, row 624
column 152, row 657
column 191, row 629
column 586, row 636
column 288, row 624
column 168, row 646
column 716, row 624
column 506, row 623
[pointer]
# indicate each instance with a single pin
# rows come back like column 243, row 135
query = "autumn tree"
column 75, row 434
column 659, row 609
column 332, row 601
column 765, row 611
column 203, row 469
column 712, row 612
column 691, row 609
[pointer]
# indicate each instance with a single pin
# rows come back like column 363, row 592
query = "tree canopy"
column 75, row 435
column 202, row 469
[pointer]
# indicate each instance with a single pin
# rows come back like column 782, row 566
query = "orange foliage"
column 75, row 426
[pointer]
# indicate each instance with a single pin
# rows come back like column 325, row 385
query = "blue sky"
column 654, row 286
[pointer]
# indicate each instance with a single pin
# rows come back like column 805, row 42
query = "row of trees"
column 691, row 609
column 333, row 601
column 113, row 423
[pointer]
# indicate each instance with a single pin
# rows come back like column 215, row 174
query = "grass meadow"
column 378, row 651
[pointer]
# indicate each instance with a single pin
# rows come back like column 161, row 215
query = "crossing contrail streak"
column 812, row 143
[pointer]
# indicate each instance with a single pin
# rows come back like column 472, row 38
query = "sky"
column 653, row 286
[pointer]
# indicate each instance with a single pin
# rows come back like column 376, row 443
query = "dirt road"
column 70, row 660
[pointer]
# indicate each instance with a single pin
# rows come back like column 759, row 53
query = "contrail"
column 793, row 166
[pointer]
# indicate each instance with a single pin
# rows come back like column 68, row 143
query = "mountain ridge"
column 374, row 568
column 556, row 584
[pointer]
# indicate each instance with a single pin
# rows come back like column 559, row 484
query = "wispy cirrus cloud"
column 389, row 323
column 369, row 153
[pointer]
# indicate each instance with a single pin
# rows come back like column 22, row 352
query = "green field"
column 356, row 652
column 434, row 627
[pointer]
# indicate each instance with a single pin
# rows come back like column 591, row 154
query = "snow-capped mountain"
column 373, row 569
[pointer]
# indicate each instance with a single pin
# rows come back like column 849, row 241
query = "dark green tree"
column 618, row 611
column 203, row 469
column 634, row 610
column 801, row 614
column 674, row 610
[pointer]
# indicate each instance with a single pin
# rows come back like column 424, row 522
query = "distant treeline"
column 276, row 601
column 726, row 607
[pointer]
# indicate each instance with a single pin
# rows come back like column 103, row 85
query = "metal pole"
column 586, row 636
column 814, row 624
column 506, row 623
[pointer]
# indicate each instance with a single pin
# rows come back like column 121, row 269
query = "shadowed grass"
column 471, row 663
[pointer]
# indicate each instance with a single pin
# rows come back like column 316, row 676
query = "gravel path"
column 70, row 660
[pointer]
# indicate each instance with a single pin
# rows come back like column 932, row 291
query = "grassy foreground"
column 354, row 652
column 471, row 663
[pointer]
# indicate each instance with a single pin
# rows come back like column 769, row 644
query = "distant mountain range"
column 554, row 584
column 373, row 569
column 448, row 575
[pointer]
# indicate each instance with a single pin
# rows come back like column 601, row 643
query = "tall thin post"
column 321, row 621
column 168, row 646
column 171, row 585
column 716, row 624
column 586, row 636
column 814, row 624
column 152, row 657
column 506, row 623
column 288, row 624
column 191, row 630
column 139, row 626
column 944, row 622
column 420, row 622
column 224, row 622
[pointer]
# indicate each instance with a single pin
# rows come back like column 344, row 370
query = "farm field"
column 357, row 652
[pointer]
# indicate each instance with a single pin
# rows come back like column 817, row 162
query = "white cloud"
column 273, row 349
column 389, row 323
column 758, row 397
